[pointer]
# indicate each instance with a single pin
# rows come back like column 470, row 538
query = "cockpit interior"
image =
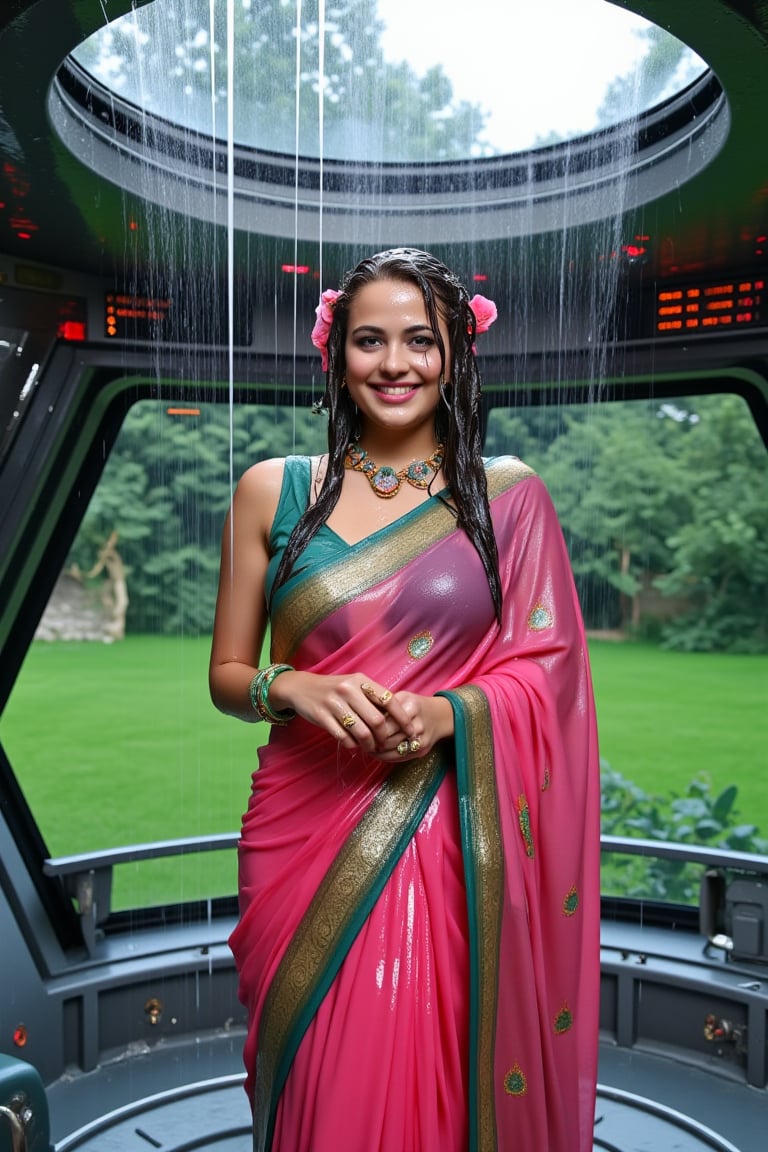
column 179, row 181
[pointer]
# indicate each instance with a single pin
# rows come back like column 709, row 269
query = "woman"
column 418, row 942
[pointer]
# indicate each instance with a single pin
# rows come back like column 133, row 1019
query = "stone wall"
column 81, row 611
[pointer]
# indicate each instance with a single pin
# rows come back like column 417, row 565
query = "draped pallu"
column 418, row 945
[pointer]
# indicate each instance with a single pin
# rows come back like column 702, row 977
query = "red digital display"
column 155, row 318
column 736, row 303
column 127, row 314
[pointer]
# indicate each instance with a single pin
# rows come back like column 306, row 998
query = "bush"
column 697, row 817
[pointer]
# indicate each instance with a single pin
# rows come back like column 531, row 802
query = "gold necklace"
column 384, row 480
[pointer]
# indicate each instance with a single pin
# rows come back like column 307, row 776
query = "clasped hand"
column 362, row 713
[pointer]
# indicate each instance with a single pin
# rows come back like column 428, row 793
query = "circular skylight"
column 389, row 80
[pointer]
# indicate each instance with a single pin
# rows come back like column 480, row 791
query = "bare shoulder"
column 258, row 493
column 264, row 477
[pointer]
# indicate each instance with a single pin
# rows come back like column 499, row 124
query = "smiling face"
column 392, row 358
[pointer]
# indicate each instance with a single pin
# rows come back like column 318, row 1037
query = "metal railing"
column 87, row 876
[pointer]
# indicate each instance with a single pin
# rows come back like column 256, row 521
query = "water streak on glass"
column 399, row 81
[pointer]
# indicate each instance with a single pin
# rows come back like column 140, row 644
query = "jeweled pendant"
column 385, row 482
column 418, row 474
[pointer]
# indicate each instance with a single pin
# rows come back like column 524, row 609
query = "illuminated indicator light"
column 133, row 226
column 746, row 301
column 719, row 290
column 183, row 411
column 691, row 323
column 761, row 239
column 759, row 252
column 671, row 310
column 744, row 317
column 633, row 250
column 718, row 305
column 668, row 325
column 23, row 236
column 746, row 286
column 20, row 1035
column 640, row 239
column 691, row 307
column 71, row 330
column 693, row 293
column 141, row 301
column 297, row 269
column 759, row 284
column 141, row 314
column 670, row 295
column 479, row 276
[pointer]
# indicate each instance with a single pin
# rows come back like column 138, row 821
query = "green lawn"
column 667, row 717
column 118, row 744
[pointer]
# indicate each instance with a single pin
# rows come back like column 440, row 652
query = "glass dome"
column 400, row 82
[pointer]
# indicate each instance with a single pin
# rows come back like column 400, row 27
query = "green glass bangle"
column 258, row 691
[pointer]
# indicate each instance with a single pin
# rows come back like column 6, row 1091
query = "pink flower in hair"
column 324, row 313
column 485, row 312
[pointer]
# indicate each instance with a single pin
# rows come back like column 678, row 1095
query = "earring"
column 441, row 387
column 343, row 382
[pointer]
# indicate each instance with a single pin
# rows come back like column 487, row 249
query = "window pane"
column 665, row 509
column 110, row 728
column 400, row 82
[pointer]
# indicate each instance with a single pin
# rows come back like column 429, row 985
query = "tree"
column 611, row 473
column 644, row 492
column 373, row 109
column 665, row 58
column 164, row 495
column 719, row 553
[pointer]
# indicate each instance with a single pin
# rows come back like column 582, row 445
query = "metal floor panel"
column 214, row 1115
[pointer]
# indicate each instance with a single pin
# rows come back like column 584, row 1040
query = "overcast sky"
column 535, row 66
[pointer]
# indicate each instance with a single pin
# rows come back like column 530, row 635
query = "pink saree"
column 418, row 946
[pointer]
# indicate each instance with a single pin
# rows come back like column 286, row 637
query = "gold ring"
column 402, row 748
column 349, row 720
column 414, row 745
column 368, row 689
column 386, row 696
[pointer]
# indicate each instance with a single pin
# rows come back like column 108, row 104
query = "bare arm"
column 241, row 616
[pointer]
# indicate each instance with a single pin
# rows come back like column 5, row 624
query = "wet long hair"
column 457, row 416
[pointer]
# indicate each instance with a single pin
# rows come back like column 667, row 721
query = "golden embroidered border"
column 309, row 601
column 325, row 927
column 487, row 862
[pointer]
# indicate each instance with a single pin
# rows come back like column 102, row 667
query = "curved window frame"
column 522, row 194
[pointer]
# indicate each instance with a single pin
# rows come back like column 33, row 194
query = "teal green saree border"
column 340, row 907
column 484, row 875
